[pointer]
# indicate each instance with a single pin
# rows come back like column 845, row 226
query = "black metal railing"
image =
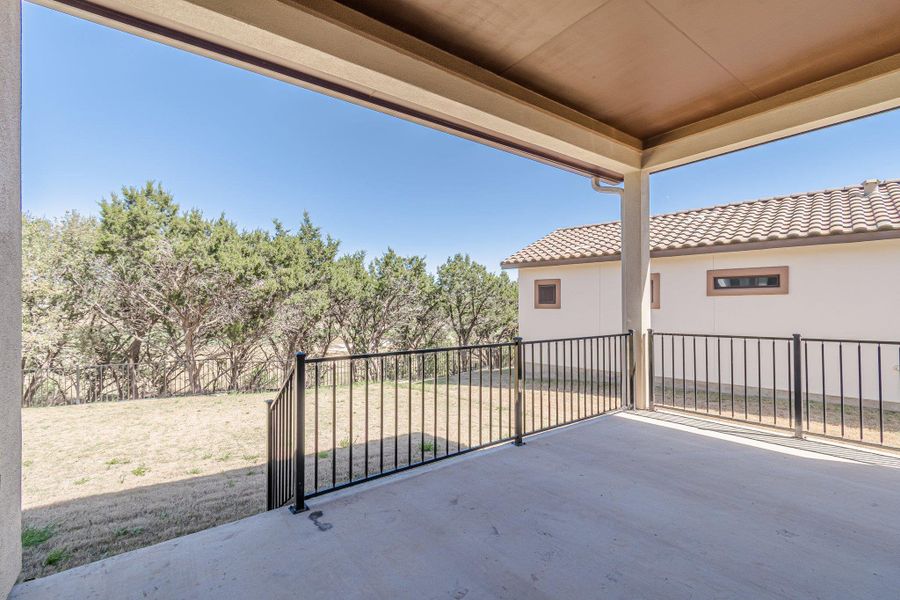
column 131, row 381
column 851, row 389
column 838, row 388
column 397, row 410
column 280, row 442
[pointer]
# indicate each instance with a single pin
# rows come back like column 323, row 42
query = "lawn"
column 821, row 416
column 101, row 479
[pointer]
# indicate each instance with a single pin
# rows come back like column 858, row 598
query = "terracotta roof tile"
column 813, row 214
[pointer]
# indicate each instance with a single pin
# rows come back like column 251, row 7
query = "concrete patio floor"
column 623, row 506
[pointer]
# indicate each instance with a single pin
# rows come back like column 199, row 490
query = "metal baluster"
column 381, row 414
column 350, row 412
column 541, row 381
column 662, row 362
column 366, row 420
column 860, row 387
column 334, row 442
column 731, row 379
column 490, row 395
column 470, row 396
column 805, row 348
column 824, row 398
column 434, row 438
column 409, row 403
column 683, row 375
column 798, row 384
column 316, row 430
column 422, row 433
column 880, row 400
column 396, row 409
column 300, row 433
column 694, row 367
column 746, row 411
column 841, row 368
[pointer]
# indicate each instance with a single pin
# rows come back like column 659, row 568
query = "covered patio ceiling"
column 600, row 87
column 650, row 67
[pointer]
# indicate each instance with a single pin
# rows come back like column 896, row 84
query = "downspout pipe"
column 598, row 186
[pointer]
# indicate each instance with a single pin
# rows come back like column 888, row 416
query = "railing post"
column 518, row 389
column 299, row 434
column 651, row 374
column 798, row 391
column 632, row 366
column 269, row 501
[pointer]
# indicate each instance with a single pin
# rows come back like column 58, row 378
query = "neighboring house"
column 821, row 264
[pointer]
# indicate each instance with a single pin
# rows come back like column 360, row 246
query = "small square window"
column 546, row 293
column 745, row 282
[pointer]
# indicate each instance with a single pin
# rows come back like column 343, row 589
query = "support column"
column 636, row 275
column 10, row 294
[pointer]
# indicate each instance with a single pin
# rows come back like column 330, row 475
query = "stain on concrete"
column 315, row 517
column 786, row 533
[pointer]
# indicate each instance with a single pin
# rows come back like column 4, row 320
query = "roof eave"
column 844, row 238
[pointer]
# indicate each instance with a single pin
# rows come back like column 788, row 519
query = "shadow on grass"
column 91, row 528
column 94, row 527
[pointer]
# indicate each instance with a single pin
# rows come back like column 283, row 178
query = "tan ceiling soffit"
column 856, row 93
column 403, row 77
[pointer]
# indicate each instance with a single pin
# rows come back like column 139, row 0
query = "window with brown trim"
column 747, row 282
column 654, row 290
column 546, row 293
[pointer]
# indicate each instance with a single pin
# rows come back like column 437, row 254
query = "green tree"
column 478, row 305
column 300, row 265
column 370, row 303
column 171, row 269
column 55, row 311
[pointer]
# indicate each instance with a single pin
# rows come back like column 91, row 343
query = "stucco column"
column 636, row 274
column 10, row 294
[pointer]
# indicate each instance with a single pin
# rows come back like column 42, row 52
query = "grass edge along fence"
column 132, row 381
column 845, row 389
column 401, row 410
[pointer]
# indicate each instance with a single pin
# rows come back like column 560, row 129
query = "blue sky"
column 104, row 109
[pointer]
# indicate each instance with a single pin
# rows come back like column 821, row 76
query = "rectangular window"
column 654, row 290
column 546, row 293
column 746, row 282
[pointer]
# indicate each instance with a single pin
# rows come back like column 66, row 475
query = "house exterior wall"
column 835, row 291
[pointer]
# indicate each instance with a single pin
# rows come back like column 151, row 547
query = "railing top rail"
column 847, row 341
column 780, row 338
column 572, row 339
column 363, row 356
column 725, row 336
column 322, row 359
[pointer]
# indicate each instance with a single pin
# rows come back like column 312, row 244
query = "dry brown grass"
column 107, row 478
column 878, row 426
column 432, row 420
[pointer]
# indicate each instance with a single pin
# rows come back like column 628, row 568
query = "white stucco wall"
column 835, row 291
column 591, row 302
column 10, row 296
column 845, row 290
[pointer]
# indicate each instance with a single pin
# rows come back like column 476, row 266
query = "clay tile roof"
column 809, row 215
